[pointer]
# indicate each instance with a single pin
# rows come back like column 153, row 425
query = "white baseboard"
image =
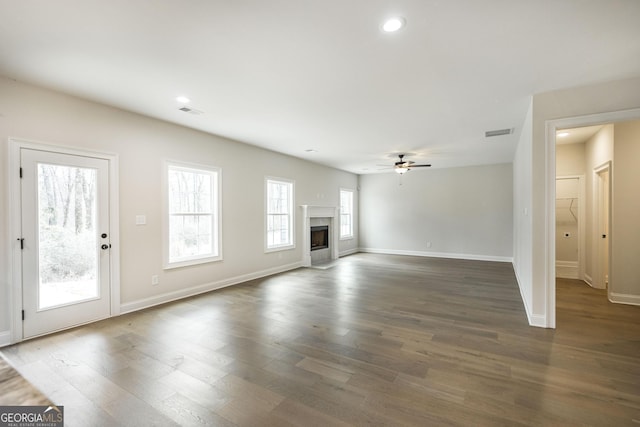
column 537, row 320
column 588, row 280
column 195, row 290
column 624, row 298
column 525, row 301
column 5, row 338
column 451, row 255
column 349, row 252
column 567, row 269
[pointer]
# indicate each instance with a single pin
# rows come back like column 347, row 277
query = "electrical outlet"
column 154, row 280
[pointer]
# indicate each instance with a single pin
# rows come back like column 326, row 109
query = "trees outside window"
column 193, row 215
column 346, row 214
column 279, row 214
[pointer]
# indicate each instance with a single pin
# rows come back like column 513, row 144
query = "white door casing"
column 89, row 298
column 548, row 317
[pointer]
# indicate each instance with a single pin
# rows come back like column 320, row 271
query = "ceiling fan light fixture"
column 403, row 166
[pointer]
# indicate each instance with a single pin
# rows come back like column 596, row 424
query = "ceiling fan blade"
column 405, row 165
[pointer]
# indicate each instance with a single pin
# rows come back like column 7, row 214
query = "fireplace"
column 320, row 216
column 319, row 237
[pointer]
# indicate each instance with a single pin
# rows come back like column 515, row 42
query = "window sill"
column 279, row 248
column 191, row 262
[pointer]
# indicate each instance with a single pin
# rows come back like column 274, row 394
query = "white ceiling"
column 576, row 135
column 292, row 75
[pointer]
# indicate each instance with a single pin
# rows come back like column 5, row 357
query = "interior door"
column 603, row 226
column 65, row 240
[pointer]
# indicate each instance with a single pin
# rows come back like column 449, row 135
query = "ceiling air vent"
column 498, row 132
column 191, row 110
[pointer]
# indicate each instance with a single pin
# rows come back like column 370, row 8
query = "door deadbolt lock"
column 104, row 235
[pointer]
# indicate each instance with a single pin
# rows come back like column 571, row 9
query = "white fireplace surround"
column 332, row 214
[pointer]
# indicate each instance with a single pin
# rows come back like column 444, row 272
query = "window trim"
column 216, row 211
column 292, row 218
column 350, row 236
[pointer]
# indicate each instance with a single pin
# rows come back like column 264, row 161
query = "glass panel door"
column 66, row 246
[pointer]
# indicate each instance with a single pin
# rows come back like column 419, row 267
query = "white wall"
column 142, row 144
column 567, row 217
column 625, row 236
column 464, row 212
column 522, row 226
column 570, row 161
column 561, row 104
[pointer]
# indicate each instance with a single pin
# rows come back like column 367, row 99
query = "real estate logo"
column 31, row 416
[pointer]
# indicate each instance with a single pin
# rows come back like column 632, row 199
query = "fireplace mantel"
column 313, row 211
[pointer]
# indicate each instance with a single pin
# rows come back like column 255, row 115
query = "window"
column 192, row 234
column 279, row 207
column 346, row 214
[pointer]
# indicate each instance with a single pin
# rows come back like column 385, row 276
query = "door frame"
column 551, row 127
column 15, row 226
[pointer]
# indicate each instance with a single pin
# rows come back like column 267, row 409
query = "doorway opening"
column 621, row 120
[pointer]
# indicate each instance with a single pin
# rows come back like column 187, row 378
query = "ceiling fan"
column 402, row 166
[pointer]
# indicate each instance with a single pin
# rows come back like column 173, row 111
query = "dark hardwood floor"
column 375, row 340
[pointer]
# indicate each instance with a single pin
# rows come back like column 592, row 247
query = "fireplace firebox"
column 319, row 237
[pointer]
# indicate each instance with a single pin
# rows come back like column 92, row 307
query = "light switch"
column 141, row 219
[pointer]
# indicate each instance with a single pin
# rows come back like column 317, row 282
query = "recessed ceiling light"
column 562, row 134
column 393, row 24
column 183, row 99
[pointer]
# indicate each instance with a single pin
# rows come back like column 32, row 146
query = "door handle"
column 105, row 247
